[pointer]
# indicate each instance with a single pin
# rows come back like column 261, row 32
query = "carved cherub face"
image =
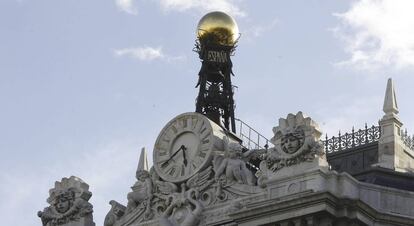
column 234, row 150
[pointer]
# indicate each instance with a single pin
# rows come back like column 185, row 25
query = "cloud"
column 228, row 6
column 378, row 33
column 203, row 6
column 128, row 6
column 260, row 29
column 141, row 53
column 146, row 54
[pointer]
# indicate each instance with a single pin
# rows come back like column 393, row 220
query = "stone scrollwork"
column 295, row 140
column 223, row 182
column 68, row 203
column 166, row 203
column 184, row 209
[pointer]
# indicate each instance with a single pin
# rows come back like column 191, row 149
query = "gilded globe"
column 218, row 28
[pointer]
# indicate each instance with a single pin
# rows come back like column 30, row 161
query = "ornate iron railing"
column 407, row 140
column 250, row 137
column 351, row 140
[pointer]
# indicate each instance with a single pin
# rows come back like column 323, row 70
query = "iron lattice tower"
column 215, row 97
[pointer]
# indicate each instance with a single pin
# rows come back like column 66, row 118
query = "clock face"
column 183, row 147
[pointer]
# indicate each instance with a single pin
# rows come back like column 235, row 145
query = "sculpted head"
column 141, row 175
column 291, row 142
column 63, row 201
column 234, row 150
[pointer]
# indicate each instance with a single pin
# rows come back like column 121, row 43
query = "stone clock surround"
column 186, row 145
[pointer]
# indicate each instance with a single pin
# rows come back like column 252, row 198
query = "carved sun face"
column 291, row 143
column 62, row 204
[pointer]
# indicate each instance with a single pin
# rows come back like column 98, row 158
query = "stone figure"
column 116, row 212
column 142, row 191
column 68, row 203
column 162, row 191
column 152, row 197
column 184, row 209
column 233, row 167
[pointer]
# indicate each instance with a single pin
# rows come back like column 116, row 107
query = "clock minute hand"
column 172, row 156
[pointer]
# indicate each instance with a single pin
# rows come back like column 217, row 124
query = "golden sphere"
column 219, row 28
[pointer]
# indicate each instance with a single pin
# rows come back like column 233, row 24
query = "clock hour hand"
column 172, row 156
column 185, row 159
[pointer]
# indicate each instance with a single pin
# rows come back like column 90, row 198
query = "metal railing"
column 407, row 140
column 351, row 140
column 250, row 137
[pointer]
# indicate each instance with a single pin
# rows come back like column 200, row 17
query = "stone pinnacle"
column 390, row 100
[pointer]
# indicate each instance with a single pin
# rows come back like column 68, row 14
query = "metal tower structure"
column 216, row 42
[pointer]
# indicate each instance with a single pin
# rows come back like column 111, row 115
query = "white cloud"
column 228, row 6
column 203, row 6
column 378, row 33
column 128, row 6
column 259, row 30
column 141, row 53
column 147, row 54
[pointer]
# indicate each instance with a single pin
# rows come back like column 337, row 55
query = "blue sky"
column 85, row 84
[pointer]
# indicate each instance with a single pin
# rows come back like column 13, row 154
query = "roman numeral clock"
column 185, row 146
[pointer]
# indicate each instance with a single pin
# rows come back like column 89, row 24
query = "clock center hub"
column 188, row 141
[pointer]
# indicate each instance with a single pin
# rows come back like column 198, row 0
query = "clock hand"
column 172, row 156
column 185, row 159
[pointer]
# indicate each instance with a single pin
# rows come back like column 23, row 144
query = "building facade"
column 208, row 172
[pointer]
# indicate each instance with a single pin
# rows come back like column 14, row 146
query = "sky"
column 84, row 85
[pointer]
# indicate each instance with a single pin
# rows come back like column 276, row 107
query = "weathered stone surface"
column 69, row 204
column 156, row 200
column 392, row 152
column 297, row 149
column 299, row 190
column 340, row 195
column 115, row 213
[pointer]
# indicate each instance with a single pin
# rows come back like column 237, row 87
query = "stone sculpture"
column 156, row 200
column 296, row 140
column 184, row 209
column 233, row 167
column 116, row 212
column 142, row 191
column 225, row 181
column 68, row 204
